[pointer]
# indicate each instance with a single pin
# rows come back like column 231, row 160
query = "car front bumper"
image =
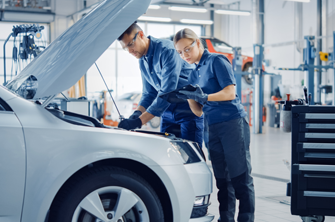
column 201, row 179
column 184, row 183
column 207, row 218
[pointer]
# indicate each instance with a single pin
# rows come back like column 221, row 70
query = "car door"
column 12, row 164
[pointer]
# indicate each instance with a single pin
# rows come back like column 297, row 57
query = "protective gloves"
column 130, row 124
column 135, row 115
column 198, row 95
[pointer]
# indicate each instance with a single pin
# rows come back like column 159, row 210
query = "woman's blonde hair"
column 186, row 34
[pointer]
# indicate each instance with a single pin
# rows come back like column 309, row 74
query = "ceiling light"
column 194, row 21
column 154, row 7
column 155, row 19
column 188, row 9
column 298, row 0
column 232, row 12
column 34, row 17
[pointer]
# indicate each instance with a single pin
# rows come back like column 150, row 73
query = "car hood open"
column 68, row 57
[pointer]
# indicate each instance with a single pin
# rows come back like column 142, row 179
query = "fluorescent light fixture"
column 155, row 19
column 194, row 21
column 232, row 12
column 34, row 17
column 154, row 7
column 298, row 0
column 187, row 9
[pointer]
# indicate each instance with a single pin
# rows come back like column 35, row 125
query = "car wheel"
column 313, row 218
column 155, row 122
column 106, row 194
column 248, row 78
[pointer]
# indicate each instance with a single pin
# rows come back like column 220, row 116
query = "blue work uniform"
column 229, row 138
column 163, row 70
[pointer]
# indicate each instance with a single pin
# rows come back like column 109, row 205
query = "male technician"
column 162, row 71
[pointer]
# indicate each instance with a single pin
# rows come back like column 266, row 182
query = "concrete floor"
column 268, row 152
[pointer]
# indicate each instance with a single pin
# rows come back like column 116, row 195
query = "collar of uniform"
column 203, row 58
column 150, row 51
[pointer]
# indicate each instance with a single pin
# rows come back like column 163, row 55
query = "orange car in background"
column 217, row 46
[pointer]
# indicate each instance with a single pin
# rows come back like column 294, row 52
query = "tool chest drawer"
column 313, row 161
column 315, row 188
column 323, row 153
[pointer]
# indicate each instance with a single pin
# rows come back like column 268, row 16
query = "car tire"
column 155, row 122
column 248, row 78
column 313, row 218
column 108, row 192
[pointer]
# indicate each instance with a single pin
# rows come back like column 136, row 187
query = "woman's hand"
column 198, row 95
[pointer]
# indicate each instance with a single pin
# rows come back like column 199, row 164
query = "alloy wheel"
column 111, row 204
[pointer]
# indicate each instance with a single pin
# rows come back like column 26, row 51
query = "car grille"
column 199, row 211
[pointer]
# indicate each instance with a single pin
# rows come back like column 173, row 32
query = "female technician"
column 229, row 133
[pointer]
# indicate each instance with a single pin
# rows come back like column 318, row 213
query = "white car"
column 127, row 104
column 65, row 167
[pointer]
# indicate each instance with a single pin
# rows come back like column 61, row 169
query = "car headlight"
column 199, row 149
column 202, row 200
column 186, row 151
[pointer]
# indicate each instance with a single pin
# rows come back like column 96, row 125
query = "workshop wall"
column 63, row 10
column 327, row 45
column 279, row 27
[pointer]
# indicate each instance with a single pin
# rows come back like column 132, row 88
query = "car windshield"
column 26, row 87
column 221, row 46
column 5, row 88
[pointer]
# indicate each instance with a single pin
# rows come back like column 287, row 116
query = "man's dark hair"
column 131, row 28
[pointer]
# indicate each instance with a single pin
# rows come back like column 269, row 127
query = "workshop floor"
column 268, row 152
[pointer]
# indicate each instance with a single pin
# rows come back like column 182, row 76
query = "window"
column 94, row 82
column 120, row 69
column 4, row 106
column 160, row 30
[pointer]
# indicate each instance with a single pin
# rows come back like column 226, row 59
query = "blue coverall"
column 163, row 71
column 229, row 139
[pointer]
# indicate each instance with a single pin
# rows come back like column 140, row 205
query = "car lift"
column 309, row 55
column 257, row 72
column 237, row 67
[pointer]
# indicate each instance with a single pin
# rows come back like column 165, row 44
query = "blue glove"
column 135, row 115
column 182, row 96
column 198, row 95
column 130, row 124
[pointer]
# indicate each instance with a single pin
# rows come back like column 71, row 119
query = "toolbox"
column 313, row 161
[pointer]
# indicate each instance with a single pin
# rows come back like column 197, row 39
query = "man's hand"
column 130, row 124
column 198, row 95
column 135, row 115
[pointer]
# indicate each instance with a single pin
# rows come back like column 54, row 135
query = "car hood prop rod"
column 121, row 117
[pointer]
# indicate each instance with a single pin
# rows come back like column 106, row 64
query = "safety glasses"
column 188, row 49
column 131, row 44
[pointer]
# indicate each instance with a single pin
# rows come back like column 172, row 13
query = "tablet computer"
column 171, row 97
